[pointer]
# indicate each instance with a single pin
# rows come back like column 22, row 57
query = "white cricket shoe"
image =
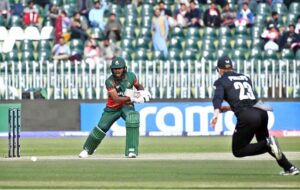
column 131, row 155
column 292, row 171
column 272, row 142
column 83, row 154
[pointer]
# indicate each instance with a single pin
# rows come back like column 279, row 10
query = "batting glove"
column 145, row 94
column 138, row 100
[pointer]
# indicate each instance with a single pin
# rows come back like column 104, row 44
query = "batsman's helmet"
column 117, row 63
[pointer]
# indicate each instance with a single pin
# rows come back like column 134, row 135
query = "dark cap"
column 224, row 62
column 291, row 24
column 112, row 13
column 274, row 13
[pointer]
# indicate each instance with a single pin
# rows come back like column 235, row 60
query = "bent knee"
column 237, row 153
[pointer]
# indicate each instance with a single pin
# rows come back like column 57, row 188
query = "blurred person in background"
column 228, row 16
column 251, row 3
column 62, row 26
column 113, row 28
column 245, row 17
column 212, row 16
column 167, row 13
column 297, row 27
column 186, row 2
column 31, row 14
column 163, row 9
column 79, row 28
column 5, row 11
column 17, row 8
column 160, row 28
column 109, row 50
column 92, row 53
column 84, row 6
column 180, row 15
column 289, row 39
column 271, row 38
column 194, row 15
column 61, row 51
column 96, row 15
column 275, row 20
column 66, row 23
column 54, row 12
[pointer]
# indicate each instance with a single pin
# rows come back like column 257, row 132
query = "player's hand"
column 214, row 121
column 225, row 109
column 137, row 99
column 145, row 94
column 129, row 93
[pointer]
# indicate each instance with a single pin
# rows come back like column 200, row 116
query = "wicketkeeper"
column 121, row 96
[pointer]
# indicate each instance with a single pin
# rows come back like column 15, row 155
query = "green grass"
column 95, row 174
column 70, row 146
column 142, row 174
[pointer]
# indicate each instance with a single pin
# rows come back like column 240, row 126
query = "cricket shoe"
column 84, row 154
column 275, row 149
column 292, row 171
column 131, row 155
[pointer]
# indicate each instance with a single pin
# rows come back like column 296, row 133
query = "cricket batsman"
column 120, row 103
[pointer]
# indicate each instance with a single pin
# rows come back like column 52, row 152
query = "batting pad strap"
column 133, row 119
column 98, row 133
column 93, row 140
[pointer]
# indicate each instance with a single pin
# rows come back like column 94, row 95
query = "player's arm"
column 137, row 85
column 145, row 94
column 225, row 109
column 112, row 92
column 136, row 96
column 217, row 102
column 118, row 99
column 214, row 120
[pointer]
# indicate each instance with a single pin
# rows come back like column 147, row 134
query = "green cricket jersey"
column 128, row 81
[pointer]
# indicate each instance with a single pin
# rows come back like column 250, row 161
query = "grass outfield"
column 120, row 173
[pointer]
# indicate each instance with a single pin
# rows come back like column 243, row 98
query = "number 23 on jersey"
column 246, row 91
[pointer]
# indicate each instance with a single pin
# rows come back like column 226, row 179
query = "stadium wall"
column 191, row 119
column 50, row 115
column 158, row 118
